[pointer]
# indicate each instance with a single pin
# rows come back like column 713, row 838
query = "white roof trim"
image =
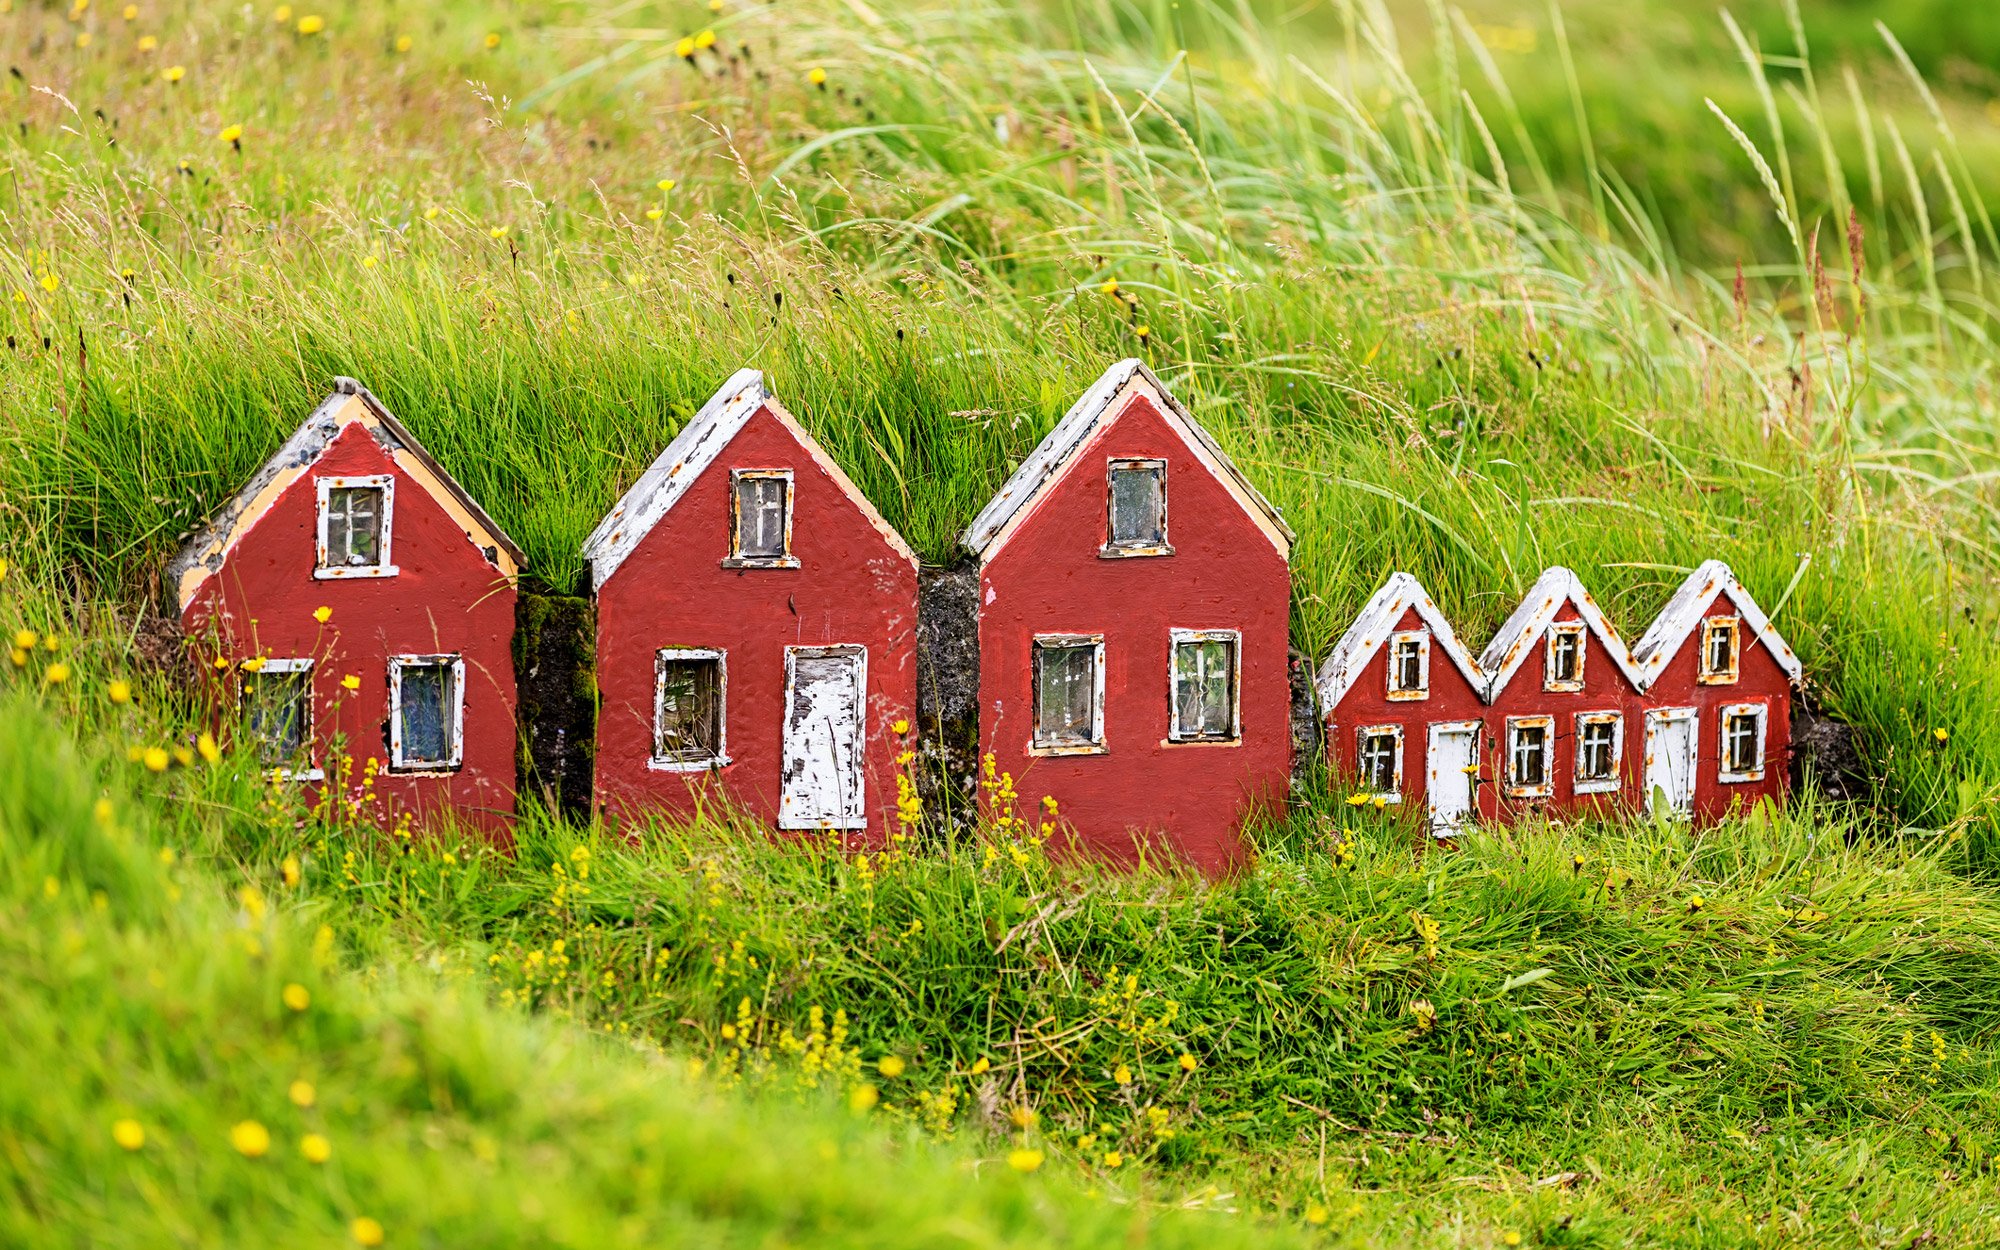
column 690, row 453
column 1372, row 628
column 1091, row 413
column 1516, row 640
column 1676, row 621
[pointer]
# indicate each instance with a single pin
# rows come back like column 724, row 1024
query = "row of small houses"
column 756, row 623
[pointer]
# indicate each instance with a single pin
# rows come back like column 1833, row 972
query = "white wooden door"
column 1451, row 775
column 1670, row 759
column 826, row 694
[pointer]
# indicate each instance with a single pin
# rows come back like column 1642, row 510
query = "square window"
column 1565, row 662
column 760, row 519
column 688, row 721
column 1205, row 679
column 1378, row 761
column 1528, row 773
column 277, row 703
column 1069, row 693
column 355, row 515
column 426, row 713
column 1600, row 742
column 1410, row 665
column 1742, row 746
column 1137, row 509
column 1719, row 650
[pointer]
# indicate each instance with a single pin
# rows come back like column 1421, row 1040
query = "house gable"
column 1383, row 615
column 1556, row 595
column 1684, row 612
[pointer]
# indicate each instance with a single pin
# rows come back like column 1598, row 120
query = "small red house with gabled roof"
column 1404, row 707
column 358, row 603
column 1564, row 700
column 756, row 630
column 1718, row 679
column 1134, row 600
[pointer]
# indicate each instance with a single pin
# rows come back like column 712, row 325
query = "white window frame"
column 1581, row 784
column 1097, row 744
column 426, row 768
column 736, row 559
column 1515, row 789
column 1709, row 676
column 1125, row 550
column 384, row 565
column 312, row 771
column 1564, row 629
column 1361, row 736
column 1422, row 690
column 1175, row 731
column 1730, row 711
column 666, row 655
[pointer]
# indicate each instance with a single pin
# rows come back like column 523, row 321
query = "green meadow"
column 1468, row 291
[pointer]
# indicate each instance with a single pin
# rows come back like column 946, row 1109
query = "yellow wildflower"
column 311, row 24
column 1696, row 903
column 183, row 756
column 297, row 997
column 155, row 759
column 863, row 1097
column 120, row 691
column 369, row 262
column 255, row 664
column 25, row 639
column 302, row 1093
column 366, row 1232
column 666, row 184
column 56, row 674
column 1109, row 286
column 147, row 43
column 1357, row 800
column 498, row 232
column 173, row 73
column 492, row 40
column 315, row 1148
column 1114, row 1159
column 404, row 43
column 1023, row 1117
column 1024, row 1160
column 1510, row 1237
column 1188, row 1062
column 1941, row 734
column 129, row 1133
column 817, row 77
column 715, row 6
column 290, row 870
column 684, row 47
column 1122, row 1074
column 981, row 1065
column 50, row 282
column 250, row 1139
column 430, row 214
column 1315, row 1213
column 282, row 15
column 205, row 744
column 654, row 214
column 19, row 657
column 890, row 1066
column 232, row 134
column 83, row 39
column 131, row 12
column 706, row 39
column 901, row 727
column 221, row 662
column 350, row 682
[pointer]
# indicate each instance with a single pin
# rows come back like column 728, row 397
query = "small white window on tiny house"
column 426, row 713
column 1564, row 670
column 277, row 706
column 1205, row 686
column 1136, row 509
column 1720, row 648
column 760, row 519
column 1069, row 693
column 1410, row 665
column 1600, row 745
column 689, row 687
column 1742, row 751
column 1528, row 747
column 1378, row 761
column 355, row 519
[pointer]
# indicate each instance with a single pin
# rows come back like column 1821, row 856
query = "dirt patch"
column 948, row 691
column 555, row 671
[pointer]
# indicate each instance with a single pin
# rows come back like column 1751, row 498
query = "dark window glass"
column 1565, row 649
column 1378, row 763
column 760, row 517
column 1721, row 648
column 1065, row 694
column 690, row 710
column 1739, row 742
column 277, row 708
column 427, row 700
column 354, row 526
column 1138, row 506
column 1595, row 750
column 1205, row 688
column 1530, row 755
column 1409, row 665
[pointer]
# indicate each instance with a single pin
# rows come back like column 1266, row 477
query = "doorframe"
column 1662, row 716
column 844, row 650
column 1476, row 727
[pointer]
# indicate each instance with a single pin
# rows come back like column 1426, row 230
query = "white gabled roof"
column 1517, row 638
column 693, row 450
column 1684, row 612
column 1098, row 406
column 1372, row 628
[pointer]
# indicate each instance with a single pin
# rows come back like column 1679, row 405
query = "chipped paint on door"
column 1670, row 759
column 822, row 783
column 1451, row 774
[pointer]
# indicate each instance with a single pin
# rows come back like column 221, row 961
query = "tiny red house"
column 359, row 606
column 1718, row 716
column 756, row 630
column 1134, row 600
column 1404, row 707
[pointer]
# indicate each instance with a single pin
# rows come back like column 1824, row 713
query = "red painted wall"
column 1224, row 574
column 1758, row 680
column 1605, row 689
column 852, row 586
column 447, row 598
column 1367, row 702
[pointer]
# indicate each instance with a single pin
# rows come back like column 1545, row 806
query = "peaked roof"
column 1685, row 610
column 349, row 403
column 1516, row 640
column 1372, row 628
column 1086, row 417
column 692, row 451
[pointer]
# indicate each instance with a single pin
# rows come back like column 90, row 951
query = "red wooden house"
column 756, row 629
column 1134, row 598
column 360, row 606
column 1718, row 681
column 1404, row 706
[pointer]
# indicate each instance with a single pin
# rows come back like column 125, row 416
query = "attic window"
column 1378, row 761
column 1719, row 651
column 354, row 525
column 1069, row 694
column 277, row 704
column 1410, row 665
column 688, row 718
column 760, row 519
column 1136, row 507
column 426, row 713
column 1600, row 739
column 1205, row 680
column 1565, row 664
column 1528, row 772
column 1743, row 742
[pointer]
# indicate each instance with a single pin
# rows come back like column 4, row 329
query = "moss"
column 555, row 667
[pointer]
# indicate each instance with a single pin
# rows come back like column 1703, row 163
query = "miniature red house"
column 1718, row 716
column 756, row 630
column 362, row 607
column 1404, row 707
column 1134, row 599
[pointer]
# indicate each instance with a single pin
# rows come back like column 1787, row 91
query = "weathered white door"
column 826, row 692
column 1451, row 775
column 1670, row 745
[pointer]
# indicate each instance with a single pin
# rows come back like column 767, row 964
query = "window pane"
column 690, row 713
column 354, row 526
column 276, row 712
column 760, row 517
column 1378, row 763
column 1065, row 693
column 1137, row 507
column 1409, row 665
column 1529, row 760
column 1204, row 688
column 1594, row 753
column 1565, row 657
column 1742, row 743
column 425, row 713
